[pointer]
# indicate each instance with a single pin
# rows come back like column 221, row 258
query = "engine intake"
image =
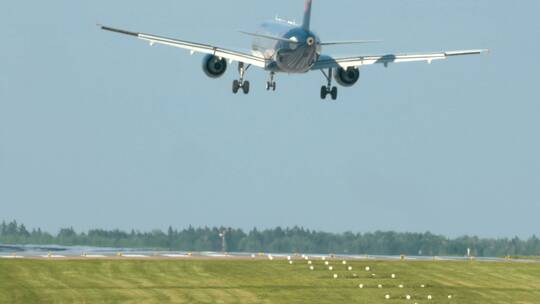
column 347, row 77
column 213, row 66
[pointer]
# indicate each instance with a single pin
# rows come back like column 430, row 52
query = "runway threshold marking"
column 134, row 256
column 175, row 255
column 217, row 256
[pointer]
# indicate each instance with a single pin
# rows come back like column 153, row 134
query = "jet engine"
column 347, row 77
column 213, row 66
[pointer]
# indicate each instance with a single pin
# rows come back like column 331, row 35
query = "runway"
column 81, row 252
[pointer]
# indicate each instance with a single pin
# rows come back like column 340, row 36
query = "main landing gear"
column 241, row 83
column 271, row 84
column 328, row 89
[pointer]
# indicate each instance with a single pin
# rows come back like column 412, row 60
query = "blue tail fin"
column 307, row 15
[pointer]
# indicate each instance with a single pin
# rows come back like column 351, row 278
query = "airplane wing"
column 194, row 47
column 327, row 62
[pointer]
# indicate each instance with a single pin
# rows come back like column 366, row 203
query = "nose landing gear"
column 328, row 89
column 271, row 84
column 241, row 83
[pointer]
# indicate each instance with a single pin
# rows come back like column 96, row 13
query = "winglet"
column 119, row 31
column 466, row 52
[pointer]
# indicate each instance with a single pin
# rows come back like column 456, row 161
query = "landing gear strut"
column 328, row 89
column 241, row 84
column 271, row 84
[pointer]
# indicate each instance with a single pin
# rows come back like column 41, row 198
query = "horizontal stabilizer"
column 270, row 37
column 349, row 42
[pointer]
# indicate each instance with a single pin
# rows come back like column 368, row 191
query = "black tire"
column 268, row 86
column 245, row 87
column 334, row 93
column 324, row 92
column 235, row 86
column 274, row 86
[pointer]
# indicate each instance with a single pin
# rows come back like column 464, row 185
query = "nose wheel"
column 271, row 84
column 241, row 83
column 329, row 89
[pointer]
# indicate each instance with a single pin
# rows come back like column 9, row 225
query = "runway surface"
column 76, row 252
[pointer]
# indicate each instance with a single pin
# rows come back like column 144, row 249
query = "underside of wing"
column 327, row 62
column 194, row 47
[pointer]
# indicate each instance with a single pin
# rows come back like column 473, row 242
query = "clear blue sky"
column 100, row 130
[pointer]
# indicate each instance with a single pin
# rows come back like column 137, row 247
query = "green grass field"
column 258, row 281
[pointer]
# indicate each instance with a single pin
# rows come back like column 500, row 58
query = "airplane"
column 281, row 46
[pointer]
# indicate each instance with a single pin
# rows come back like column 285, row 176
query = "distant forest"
column 275, row 240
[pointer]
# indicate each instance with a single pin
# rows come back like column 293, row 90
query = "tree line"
column 275, row 240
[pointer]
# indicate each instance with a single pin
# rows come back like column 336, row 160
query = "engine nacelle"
column 347, row 77
column 213, row 66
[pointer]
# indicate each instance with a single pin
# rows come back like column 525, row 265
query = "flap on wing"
column 326, row 62
column 194, row 47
